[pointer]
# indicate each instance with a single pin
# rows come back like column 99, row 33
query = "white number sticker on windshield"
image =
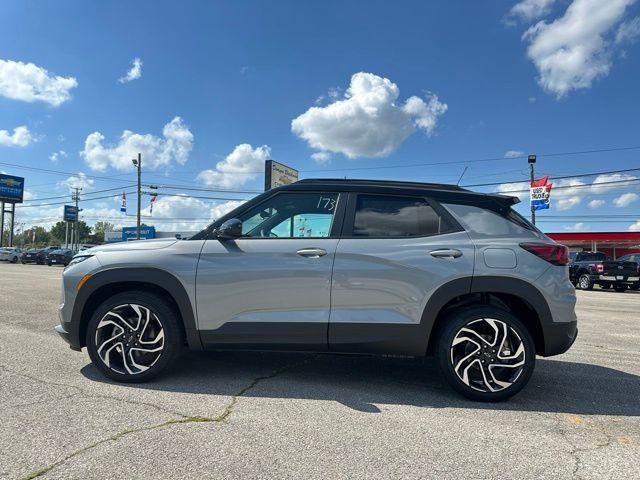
column 326, row 203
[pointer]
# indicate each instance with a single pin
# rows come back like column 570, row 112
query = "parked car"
column 45, row 253
column 10, row 254
column 335, row 266
column 635, row 258
column 60, row 257
column 595, row 268
column 32, row 255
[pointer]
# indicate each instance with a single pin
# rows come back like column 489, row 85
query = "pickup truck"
column 587, row 269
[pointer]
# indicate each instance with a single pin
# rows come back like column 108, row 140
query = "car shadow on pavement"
column 362, row 382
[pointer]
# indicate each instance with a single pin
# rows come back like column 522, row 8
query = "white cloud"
column 593, row 204
column 174, row 146
column 573, row 190
column 242, row 165
column 625, row 199
column 134, row 73
column 628, row 31
column 80, row 181
column 576, row 227
column 56, row 156
column 21, row 137
column 634, row 227
column 185, row 213
column 528, row 10
column 367, row 122
column 29, row 83
column 321, row 158
column 574, row 50
column 513, row 154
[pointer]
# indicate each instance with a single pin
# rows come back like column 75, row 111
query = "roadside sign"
column 131, row 233
column 70, row 213
column 278, row 174
column 11, row 188
column 540, row 194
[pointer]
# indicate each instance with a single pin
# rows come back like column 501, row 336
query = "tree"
column 59, row 229
column 37, row 236
column 98, row 231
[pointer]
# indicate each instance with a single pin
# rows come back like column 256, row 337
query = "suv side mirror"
column 230, row 229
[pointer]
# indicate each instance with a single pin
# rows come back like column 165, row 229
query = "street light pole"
column 532, row 161
column 138, row 164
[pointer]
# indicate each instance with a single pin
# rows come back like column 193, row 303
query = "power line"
column 589, row 185
column 564, row 177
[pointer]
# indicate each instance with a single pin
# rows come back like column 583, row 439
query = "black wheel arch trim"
column 554, row 343
column 146, row 275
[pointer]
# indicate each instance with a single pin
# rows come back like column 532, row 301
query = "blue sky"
column 323, row 87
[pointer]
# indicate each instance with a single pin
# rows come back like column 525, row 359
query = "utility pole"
column 76, row 198
column 532, row 161
column 138, row 164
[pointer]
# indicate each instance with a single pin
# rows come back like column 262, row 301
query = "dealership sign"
column 11, row 188
column 277, row 174
column 131, row 233
column 540, row 193
column 70, row 213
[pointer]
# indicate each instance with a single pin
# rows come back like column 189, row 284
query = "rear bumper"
column 559, row 336
column 615, row 278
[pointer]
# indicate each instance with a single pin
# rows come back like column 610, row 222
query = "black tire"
column 605, row 285
column 621, row 287
column 445, row 352
column 164, row 313
column 634, row 286
column 14, row 260
column 584, row 282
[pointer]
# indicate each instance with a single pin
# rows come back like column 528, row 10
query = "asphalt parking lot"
column 230, row 415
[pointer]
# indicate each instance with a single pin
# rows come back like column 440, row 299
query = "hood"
column 154, row 244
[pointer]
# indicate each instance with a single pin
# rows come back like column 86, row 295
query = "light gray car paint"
column 490, row 231
column 390, row 280
column 264, row 280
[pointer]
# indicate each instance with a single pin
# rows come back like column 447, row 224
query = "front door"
column 270, row 289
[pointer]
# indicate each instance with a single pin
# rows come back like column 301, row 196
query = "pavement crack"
column 254, row 383
column 113, row 438
column 86, row 394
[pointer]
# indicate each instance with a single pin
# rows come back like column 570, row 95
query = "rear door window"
column 395, row 216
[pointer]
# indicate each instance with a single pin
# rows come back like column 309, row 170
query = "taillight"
column 599, row 267
column 551, row 252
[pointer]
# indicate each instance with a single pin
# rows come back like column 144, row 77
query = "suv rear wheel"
column 133, row 336
column 485, row 353
column 620, row 287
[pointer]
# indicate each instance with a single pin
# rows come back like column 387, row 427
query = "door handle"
column 312, row 252
column 446, row 253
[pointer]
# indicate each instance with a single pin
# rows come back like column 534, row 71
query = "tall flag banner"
column 540, row 193
column 153, row 199
column 123, row 207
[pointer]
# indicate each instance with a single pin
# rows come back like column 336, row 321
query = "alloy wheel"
column 584, row 282
column 488, row 355
column 129, row 339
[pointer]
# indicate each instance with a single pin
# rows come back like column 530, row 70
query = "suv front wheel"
column 485, row 353
column 133, row 336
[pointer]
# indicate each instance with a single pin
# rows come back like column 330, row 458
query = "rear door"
column 395, row 252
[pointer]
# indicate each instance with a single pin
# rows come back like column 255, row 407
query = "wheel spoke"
column 135, row 333
column 488, row 355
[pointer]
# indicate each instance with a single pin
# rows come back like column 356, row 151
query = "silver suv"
column 335, row 266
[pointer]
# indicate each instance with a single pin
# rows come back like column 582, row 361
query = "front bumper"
column 66, row 337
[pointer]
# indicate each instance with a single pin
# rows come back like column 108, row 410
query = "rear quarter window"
column 487, row 223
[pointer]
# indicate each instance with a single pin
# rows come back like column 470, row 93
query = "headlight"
column 78, row 259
